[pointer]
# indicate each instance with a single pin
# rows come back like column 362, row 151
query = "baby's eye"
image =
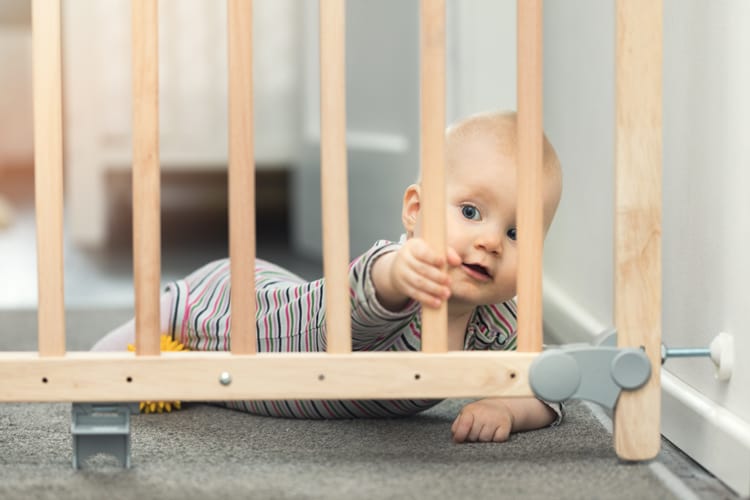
column 470, row 212
column 512, row 233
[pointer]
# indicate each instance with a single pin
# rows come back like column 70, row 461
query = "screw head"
column 630, row 369
column 225, row 378
column 554, row 376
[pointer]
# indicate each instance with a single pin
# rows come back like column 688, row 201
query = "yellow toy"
column 167, row 344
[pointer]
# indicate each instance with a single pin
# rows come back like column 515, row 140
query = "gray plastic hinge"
column 101, row 428
column 593, row 373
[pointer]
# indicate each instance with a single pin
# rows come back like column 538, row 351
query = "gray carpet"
column 210, row 452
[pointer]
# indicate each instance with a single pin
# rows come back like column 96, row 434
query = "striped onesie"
column 290, row 317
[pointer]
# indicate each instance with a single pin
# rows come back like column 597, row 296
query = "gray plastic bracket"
column 593, row 373
column 101, row 428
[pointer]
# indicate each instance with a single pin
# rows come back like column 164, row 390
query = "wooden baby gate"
column 52, row 374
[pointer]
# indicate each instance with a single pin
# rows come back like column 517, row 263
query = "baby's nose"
column 491, row 242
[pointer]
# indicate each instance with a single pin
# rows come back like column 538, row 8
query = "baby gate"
column 51, row 374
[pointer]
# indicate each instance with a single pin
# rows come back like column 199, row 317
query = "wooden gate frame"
column 52, row 374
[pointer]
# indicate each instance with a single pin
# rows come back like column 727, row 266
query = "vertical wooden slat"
column 48, row 174
column 530, row 205
column 146, row 182
column 335, row 206
column 432, row 155
column 241, row 176
column 530, row 175
column 638, row 160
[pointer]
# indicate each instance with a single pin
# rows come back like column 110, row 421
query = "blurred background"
column 382, row 118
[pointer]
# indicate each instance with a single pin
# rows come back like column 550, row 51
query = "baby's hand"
column 417, row 272
column 484, row 420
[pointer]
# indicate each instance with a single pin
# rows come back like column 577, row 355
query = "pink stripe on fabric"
column 185, row 322
column 289, row 323
column 414, row 330
column 331, row 413
column 227, row 327
column 307, row 337
column 398, row 404
column 276, row 408
column 502, row 318
column 299, row 407
column 359, row 407
column 217, row 301
column 268, row 322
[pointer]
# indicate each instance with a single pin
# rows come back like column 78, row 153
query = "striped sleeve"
column 373, row 326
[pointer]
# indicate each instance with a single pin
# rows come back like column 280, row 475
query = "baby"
column 390, row 283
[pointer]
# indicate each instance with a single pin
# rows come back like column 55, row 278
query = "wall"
column 383, row 105
column 706, row 208
column 16, row 126
column 481, row 56
column 382, row 73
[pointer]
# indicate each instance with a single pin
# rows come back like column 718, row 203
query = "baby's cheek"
column 507, row 282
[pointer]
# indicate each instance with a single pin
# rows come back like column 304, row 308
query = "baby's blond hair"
column 501, row 127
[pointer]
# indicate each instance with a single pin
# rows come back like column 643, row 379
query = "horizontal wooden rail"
column 186, row 376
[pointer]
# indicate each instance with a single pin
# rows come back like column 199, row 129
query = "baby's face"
column 481, row 195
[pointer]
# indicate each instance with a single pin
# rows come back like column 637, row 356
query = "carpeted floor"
column 211, row 452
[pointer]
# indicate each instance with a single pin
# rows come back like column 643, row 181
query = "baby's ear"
column 410, row 208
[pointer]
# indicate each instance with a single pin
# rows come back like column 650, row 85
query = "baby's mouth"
column 479, row 269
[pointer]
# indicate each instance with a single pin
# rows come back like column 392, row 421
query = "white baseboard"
column 707, row 432
column 565, row 321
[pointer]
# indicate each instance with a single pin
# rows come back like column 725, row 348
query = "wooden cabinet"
column 192, row 101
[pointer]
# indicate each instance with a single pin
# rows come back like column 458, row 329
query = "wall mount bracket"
column 593, row 373
column 600, row 371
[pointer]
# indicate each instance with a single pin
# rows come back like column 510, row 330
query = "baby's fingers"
column 422, row 252
column 422, row 289
column 462, row 427
column 453, row 258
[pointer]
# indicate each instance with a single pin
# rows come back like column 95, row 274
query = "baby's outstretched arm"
column 414, row 271
column 493, row 419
